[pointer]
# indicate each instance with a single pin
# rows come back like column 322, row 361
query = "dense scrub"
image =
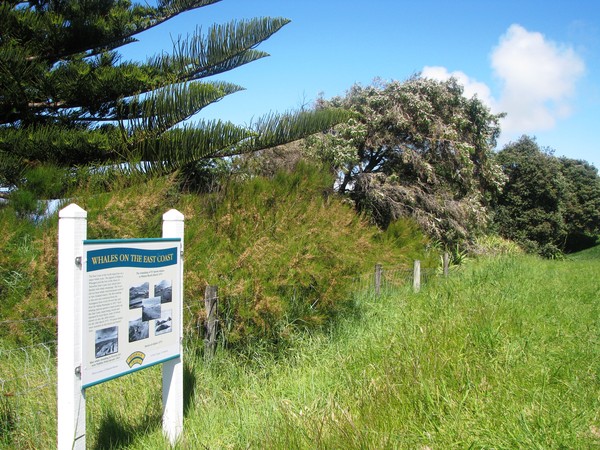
column 548, row 205
column 283, row 250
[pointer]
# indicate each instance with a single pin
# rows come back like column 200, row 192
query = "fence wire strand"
column 27, row 368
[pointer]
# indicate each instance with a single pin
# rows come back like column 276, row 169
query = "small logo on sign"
column 136, row 358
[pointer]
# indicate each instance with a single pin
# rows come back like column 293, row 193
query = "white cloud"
column 537, row 79
column 472, row 86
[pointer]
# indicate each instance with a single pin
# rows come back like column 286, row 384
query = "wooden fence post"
column 210, row 305
column 417, row 276
column 446, row 263
column 378, row 273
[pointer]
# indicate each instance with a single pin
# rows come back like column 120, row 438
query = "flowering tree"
column 416, row 148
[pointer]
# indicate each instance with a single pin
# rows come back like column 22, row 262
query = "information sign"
column 131, row 306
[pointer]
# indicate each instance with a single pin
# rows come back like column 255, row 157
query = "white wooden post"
column 417, row 276
column 72, row 231
column 172, row 371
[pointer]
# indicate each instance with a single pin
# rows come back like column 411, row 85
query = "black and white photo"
column 107, row 341
column 138, row 330
column 164, row 324
column 151, row 308
column 137, row 294
column 164, row 290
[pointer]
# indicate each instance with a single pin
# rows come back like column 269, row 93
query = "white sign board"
column 131, row 306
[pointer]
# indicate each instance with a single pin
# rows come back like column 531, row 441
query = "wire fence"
column 389, row 279
column 28, row 373
column 379, row 282
column 28, row 389
column 26, row 369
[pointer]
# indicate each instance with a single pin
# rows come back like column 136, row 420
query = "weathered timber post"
column 446, row 262
column 417, row 276
column 210, row 305
column 378, row 274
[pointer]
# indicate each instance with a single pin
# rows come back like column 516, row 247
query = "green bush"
column 24, row 202
column 47, row 182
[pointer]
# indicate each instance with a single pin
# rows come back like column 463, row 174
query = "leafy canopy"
column 417, row 148
column 68, row 100
column 582, row 208
column 548, row 204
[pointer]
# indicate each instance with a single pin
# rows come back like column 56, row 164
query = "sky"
column 538, row 61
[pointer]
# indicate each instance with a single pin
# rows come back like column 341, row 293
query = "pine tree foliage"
column 68, row 100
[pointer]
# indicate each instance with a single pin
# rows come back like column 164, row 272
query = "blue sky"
column 538, row 61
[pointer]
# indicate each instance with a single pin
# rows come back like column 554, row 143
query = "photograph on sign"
column 107, row 341
column 131, row 306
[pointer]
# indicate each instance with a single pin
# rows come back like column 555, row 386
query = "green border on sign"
column 85, row 386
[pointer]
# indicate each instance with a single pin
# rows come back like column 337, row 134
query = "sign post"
column 172, row 371
column 72, row 231
column 127, row 316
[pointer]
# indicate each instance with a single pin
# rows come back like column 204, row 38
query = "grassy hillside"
column 504, row 353
column 282, row 251
column 592, row 253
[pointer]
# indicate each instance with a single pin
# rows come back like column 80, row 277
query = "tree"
column 548, row 204
column 67, row 100
column 530, row 209
column 416, row 148
column 582, row 205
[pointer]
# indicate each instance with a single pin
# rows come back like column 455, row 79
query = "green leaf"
column 177, row 147
column 277, row 129
column 223, row 48
column 160, row 110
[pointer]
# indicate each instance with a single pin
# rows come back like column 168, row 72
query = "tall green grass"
column 502, row 354
column 284, row 252
column 27, row 397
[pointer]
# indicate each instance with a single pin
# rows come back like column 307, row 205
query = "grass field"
column 505, row 353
